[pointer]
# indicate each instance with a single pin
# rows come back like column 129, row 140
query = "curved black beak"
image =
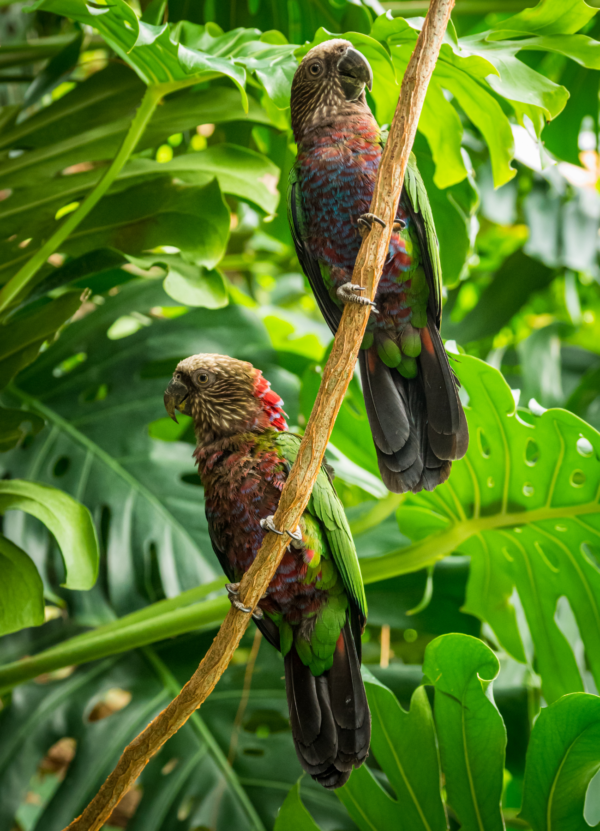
column 355, row 73
column 175, row 396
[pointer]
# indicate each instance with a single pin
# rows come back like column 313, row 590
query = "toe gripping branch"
column 233, row 590
column 365, row 222
column 296, row 536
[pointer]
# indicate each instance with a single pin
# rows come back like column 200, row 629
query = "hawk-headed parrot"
column 314, row 610
column 410, row 391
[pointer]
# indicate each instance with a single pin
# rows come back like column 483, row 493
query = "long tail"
column 329, row 714
column 418, row 425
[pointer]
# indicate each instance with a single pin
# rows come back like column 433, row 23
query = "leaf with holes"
column 524, row 504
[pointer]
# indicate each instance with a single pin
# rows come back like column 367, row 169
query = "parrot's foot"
column 398, row 226
column 268, row 525
column 346, row 293
column 296, row 538
column 365, row 223
column 233, row 590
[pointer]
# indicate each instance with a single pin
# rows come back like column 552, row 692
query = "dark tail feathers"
column 330, row 718
column 418, row 425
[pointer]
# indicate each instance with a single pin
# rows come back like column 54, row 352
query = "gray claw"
column 233, row 590
column 296, row 538
column 346, row 293
column 268, row 525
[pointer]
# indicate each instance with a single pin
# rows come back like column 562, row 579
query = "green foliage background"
column 144, row 153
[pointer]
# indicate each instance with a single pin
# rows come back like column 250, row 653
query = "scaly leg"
column 346, row 293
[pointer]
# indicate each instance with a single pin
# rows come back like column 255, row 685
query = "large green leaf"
column 292, row 815
column 479, row 68
column 239, row 172
column 562, row 17
column 143, row 217
column 68, row 521
column 22, row 593
column 562, row 758
column 89, row 123
column 523, row 503
column 22, row 338
column 470, row 729
column 414, row 777
column 511, row 286
column 151, row 52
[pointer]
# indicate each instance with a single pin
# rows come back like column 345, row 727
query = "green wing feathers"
column 417, row 194
column 325, row 507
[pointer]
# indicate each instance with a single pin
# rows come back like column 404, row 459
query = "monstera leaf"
column 562, row 759
column 102, row 706
column 524, row 504
column 403, row 793
column 70, row 523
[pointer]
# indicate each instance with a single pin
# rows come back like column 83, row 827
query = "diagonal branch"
column 297, row 490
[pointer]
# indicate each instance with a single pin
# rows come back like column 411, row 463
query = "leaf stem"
column 120, row 636
column 25, row 276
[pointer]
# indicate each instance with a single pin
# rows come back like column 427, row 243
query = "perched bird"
column 314, row 610
column 410, row 392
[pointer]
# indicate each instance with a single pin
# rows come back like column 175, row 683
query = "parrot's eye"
column 315, row 69
column 201, row 378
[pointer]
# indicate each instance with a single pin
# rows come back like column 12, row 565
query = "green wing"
column 416, row 194
column 325, row 505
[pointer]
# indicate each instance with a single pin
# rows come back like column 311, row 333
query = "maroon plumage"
column 314, row 609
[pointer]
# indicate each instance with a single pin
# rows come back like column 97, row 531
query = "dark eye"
column 315, row 69
column 201, row 378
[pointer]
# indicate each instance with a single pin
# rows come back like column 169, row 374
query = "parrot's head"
column 224, row 397
column 329, row 83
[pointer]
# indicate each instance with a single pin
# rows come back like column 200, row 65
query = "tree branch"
column 297, row 490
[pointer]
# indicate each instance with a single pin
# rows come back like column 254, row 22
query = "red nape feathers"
column 272, row 403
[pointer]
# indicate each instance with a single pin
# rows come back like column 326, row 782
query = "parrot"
column 314, row 610
column 411, row 394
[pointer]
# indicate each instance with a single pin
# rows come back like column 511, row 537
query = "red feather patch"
column 272, row 403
